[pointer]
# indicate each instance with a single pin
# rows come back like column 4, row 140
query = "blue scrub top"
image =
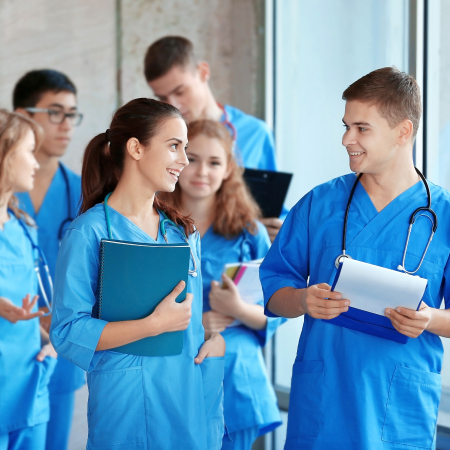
column 249, row 398
column 137, row 402
column 255, row 147
column 351, row 389
column 53, row 212
column 24, row 398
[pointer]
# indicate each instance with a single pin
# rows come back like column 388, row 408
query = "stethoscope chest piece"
column 340, row 259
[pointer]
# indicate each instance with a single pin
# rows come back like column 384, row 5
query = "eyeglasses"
column 58, row 116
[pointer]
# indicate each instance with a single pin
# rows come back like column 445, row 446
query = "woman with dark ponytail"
column 138, row 402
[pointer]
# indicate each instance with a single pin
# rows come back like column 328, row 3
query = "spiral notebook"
column 134, row 277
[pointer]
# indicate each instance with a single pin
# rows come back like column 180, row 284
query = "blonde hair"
column 13, row 128
column 235, row 210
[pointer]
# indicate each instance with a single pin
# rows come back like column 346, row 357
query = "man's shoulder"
column 240, row 118
column 71, row 175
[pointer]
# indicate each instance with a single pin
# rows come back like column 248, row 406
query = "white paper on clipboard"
column 372, row 288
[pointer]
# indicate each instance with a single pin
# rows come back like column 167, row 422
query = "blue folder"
column 133, row 279
column 366, row 322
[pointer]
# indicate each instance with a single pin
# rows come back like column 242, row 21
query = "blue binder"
column 366, row 322
column 134, row 277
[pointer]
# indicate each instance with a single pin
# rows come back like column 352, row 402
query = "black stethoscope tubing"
column 412, row 220
column 69, row 218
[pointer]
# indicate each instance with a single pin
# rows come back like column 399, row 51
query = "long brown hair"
column 234, row 209
column 104, row 156
column 13, row 128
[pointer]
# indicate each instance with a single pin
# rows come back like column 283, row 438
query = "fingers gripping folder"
column 371, row 289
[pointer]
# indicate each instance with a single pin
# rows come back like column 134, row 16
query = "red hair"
column 103, row 164
column 234, row 209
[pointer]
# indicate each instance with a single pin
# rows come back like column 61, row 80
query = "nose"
column 202, row 169
column 172, row 100
column 183, row 159
column 66, row 124
column 348, row 138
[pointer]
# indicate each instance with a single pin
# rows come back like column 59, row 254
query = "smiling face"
column 207, row 168
column 372, row 145
column 185, row 88
column 57, row 137
column 22, row 165
column 160, row 163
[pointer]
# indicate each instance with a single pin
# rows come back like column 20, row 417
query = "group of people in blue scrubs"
column 49, row 99
column 179, row 160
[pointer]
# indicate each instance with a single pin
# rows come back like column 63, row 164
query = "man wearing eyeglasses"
column 49, row 98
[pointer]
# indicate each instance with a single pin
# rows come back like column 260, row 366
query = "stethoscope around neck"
column 163, row 229
column 69, row 218
column 414, row 216
column 47, row 298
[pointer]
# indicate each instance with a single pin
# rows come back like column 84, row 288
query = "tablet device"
column 269, row 189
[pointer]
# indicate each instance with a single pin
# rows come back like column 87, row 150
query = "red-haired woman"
column 212, row 190
column 25, row 367
column 138, row 402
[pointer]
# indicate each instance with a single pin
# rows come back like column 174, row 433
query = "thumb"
column 178, row 289
column 215, row 284
column 228, row 282
column 202, row 354
column 324, row 286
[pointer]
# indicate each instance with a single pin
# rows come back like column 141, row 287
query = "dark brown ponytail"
column 105, row 155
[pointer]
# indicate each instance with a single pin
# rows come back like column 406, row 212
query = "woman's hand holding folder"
column 167, row 316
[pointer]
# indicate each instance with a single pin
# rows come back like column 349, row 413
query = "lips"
column 174, row 173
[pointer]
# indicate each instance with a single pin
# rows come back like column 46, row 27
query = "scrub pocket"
column 116, row 410
column 412, row 408
column 46, row 369
column 212, row 373
column 305, row 402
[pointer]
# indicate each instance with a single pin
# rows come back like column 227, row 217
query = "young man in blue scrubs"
column 352, row 390
column 49, row 98
column 177, row 77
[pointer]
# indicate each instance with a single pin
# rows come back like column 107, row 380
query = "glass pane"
column 438, row 138
column 321, row 48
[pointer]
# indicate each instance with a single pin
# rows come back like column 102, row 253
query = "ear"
column 228, row 172
column 405, row 131
column 203, row 71
column 135, row 149
column 23, row 112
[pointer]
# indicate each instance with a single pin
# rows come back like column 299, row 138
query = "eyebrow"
column 171, row 92
column 175, row 139
column 359, row 123
column 58, row 105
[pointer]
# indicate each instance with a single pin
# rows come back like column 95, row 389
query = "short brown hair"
column 166, row 53
column 395, row 93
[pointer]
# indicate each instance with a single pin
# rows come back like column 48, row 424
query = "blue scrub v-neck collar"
column 142, row 234
column 53, row 184
column 377, row 220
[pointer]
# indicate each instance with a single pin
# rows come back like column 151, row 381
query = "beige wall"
column 95, row 41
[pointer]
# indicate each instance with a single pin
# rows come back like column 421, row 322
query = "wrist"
column 150, row 325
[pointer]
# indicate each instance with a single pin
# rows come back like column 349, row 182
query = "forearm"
column 116, row 334
column 45, row 339
column 252, row 316
column 440, row 322
column 286, row 302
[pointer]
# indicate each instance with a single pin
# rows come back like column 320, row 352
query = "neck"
column 385, row 186
column 133, row 198
column 4, row 216
column 48, row 165
column 211, row 111
column 200, row 210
